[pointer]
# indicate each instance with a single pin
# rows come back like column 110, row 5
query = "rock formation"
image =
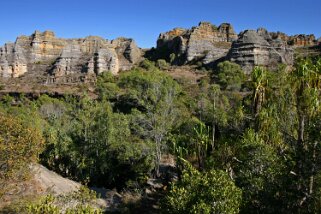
column 210, row 44
column 300, row 40
column 259, row 48
column 66, row 60
column 205, row 42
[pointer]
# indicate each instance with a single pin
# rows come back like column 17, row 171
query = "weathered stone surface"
column 128, row 52
column 205, row 42
column 211, row 44
column 12, row 60
column 258, row 48
column 300, row 40
column 66, row 60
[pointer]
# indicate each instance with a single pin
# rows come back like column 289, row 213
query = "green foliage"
column 172, row 58
column 155, row 95
column 230, row 76
column 161, row 64
column 258, row 173
column 264, row 134
column 45, row 206
column 19, row 146
column 54, row 205
column 96, row 137
column 148, row 65
column 106, row 86
column 209, row 192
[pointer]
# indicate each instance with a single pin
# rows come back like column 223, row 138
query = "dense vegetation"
column 242, row 144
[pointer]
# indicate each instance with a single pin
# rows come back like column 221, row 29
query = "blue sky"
column 143, row 20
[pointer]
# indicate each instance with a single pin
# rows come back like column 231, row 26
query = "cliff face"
column 206, row 42
column 210, row 44
column 300, row 40
column 258, row 48
column 66, row 60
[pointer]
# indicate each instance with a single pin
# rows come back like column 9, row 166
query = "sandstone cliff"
column 300, row 40
column 210, row 44
column 66, row 60
column 205, row 42
column 259, row 48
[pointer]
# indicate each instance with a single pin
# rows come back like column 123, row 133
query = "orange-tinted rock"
column 302, row 40
column 45, row 54
column 205, row 42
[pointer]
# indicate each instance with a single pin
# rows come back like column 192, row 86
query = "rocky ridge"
column 210, row 44
column 66, row 60
column 258, row 48
column 44, row 58
column 206, row 42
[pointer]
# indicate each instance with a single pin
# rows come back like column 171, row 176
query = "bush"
column 230, row 76
column 19, row 146
column 172, row 58
column 148, row 65
column 54, row 205
column 161, row 64
column 210, row 192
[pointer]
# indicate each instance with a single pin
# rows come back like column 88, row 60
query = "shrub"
column 161, row 64
column 210, row 192
column 54, row 205
column 172, row 58
column 19, row 146
column 230, row 76
column 148, row 65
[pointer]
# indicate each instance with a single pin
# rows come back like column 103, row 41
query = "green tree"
column 307, row 87
column 230, row 75
column 258, row 173
column 19, row 146
column 157, row 94
column 208, row 192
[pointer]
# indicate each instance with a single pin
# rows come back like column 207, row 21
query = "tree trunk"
column 312, row 168
column 213, row 126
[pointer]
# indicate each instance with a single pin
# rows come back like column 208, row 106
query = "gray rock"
column 205, row 42
column 66, row 60
column 128, row 52
column 106, row 60
column 155, row 183
column 257, row 48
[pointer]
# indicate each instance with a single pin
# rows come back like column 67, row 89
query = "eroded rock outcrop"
column 259, row 48
column 206, row 42
column 210, row 45
column 13, row 62
column 66, row 60
column 300, row 40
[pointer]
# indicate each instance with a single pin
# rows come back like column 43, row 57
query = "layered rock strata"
column 259, row 48
column 210, row 44
column 66, row 60
column 205, row 42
